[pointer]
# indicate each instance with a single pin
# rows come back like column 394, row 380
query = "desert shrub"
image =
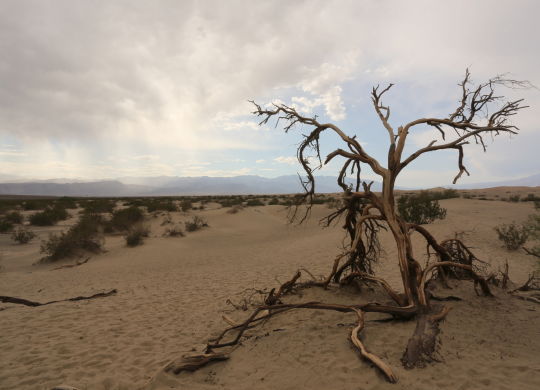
column 85, row 235
column 161, row 205
column 186, row 205
column 49, row 216
column 512, row 235
column 514, row 198
column 196, row 223
column 5, row 225
column 537, row 204
column 67, row 202
column 22, row 235
column 36, row 204
column 95, row 206
column 175, row 231
column 124, row 219
column 136, row 234
column 274, row 201
column 254, row 202
column 420, row 208
column 231, row 201
column 234, row 209
column 14, row 217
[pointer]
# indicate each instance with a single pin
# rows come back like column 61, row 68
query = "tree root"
column 355, row 339
column 72, row 265
column 26, row 302
column 423, row 343
column 194, row 362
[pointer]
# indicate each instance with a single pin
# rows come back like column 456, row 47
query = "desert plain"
column 172, row 293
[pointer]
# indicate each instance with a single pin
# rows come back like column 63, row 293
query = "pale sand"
column 172, row 293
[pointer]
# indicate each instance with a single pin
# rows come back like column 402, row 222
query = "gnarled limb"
column 355, row 339
column 383, row 283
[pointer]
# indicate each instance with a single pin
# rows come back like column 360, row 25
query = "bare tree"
column 480, row 112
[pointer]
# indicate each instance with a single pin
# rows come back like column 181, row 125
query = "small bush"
column 22, row 235
column 49, row 216
column 85, row 235
column 196, row 223
column 36, row 204
column 512, row 235
column 420, row 209
column 5, row 225
column 14, row 217
column 234, row 209
column 136, row 235
column 254, row 202
column 175, row 231
column 514, row 198
column 274, row 201
column 124, row 219
column 186, row 205
column 96, row 206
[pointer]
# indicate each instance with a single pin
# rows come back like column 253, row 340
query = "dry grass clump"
column 175, row 231
column 84, row 236
column 196, row 223
column 136, row 235
column 22, row 235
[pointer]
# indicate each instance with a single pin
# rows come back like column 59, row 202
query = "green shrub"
column 85, row 235
column 512, row 235
column 49, row 216
column 254, row 202
column 67, row 202
column 124, row 219
column 186, row 205
column 274, row 201
column 22, row 235
column 36, row 204
column 14, row 217
column 196, row 223
column 161, row 205
column 5, row 225
column 94, row 206
column 514, row 198
column 420, row 208
column 136, row 234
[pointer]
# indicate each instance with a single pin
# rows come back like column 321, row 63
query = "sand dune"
column 172, row 293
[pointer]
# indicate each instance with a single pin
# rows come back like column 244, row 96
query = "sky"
column 107, row 89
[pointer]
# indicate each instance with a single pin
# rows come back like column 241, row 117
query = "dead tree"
column 480, row 112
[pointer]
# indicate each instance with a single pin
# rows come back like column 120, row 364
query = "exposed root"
column 355, row 339
column 423, row 343
column 72, row 265
column 26, row 302
column 194, row 362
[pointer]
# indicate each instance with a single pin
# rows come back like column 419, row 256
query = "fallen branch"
column 194, row 362
column 72, row 265
column 26, row 302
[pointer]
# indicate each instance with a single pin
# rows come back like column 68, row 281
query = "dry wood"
column 26, row 302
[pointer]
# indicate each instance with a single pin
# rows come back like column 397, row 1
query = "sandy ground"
column 173, row 291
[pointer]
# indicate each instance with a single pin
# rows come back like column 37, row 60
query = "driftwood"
column 26, row 302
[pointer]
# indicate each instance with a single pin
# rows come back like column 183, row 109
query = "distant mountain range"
column 204, row 185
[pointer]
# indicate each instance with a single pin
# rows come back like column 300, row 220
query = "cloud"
column 137, row 78
column 286, row 160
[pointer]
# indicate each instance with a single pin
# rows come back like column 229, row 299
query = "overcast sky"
column 106, row 89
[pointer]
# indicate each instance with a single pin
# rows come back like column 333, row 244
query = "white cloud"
column 286, row 160
column 260, row 161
